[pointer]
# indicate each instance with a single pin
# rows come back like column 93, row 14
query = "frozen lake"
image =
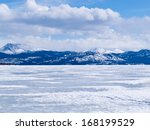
column 75, row 88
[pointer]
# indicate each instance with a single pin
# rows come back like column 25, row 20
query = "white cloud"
column 5, row 12
column 112, row 41
column 64, row 16
column 59, row 17
column 33, row 6
column 72, row 28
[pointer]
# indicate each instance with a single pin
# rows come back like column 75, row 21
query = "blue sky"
column 127, row 8
column 76, row 24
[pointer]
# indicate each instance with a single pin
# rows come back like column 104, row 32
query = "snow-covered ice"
column 75, row 88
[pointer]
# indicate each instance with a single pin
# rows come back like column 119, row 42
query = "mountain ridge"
column 16, row 48
column 47, row 57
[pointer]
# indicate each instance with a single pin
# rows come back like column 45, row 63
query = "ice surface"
column 75, row 88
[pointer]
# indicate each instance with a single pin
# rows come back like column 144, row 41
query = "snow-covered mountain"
column 106, row 51
column 18, row 54
column 11, row 48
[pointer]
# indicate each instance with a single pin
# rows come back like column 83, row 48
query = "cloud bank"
column 72, row 28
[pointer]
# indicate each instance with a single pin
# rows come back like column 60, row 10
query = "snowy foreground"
column 74, row 89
